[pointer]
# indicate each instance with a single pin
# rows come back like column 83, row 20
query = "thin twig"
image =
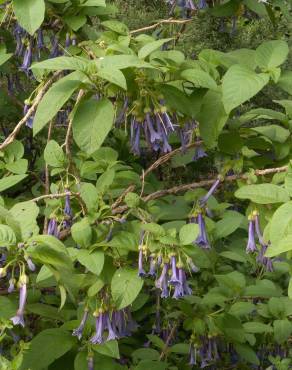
column 169, row 338
column 163, row 21
column 11, row 137
column 54, row 196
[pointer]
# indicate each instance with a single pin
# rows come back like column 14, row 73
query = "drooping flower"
column 148, row 125
column 112, row 334
column 27, row 59
column 99, row 326
column 55, row 47
column 192, row 266
column 202, row 239
column 162, row 282
column 182, row 289
column 53, row 228
column 29, row 122
column 141, row 271
column 193, row 355
column 68, row 212
column 90, row 363
column 30, row 264
column 135, row 136
column 202, row 4
column 153, row 265
column 199, row 153
column 174, row 280
column 40, row 39
column 205, row 199
column 11, row 285
column 18, row 319
column 78, row 331
column 251, row 244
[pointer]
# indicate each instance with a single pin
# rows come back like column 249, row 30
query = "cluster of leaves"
column 93, row 237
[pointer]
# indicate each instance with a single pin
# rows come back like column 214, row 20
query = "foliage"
column 145, row 207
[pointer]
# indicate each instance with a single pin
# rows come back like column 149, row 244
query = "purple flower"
column 99, row 326
column 112, row 334
column 40, row 39
column 18, row 319
column 27, row 59
column 165, row 290
column 135, row 137
column 30, row 264
column 11, row 285
column 167, row 121
column 193, row 355
column 192, row 266
column 90, row 363
column 202, row 4
column 55, row 47
column 68, row 212
column 152, row 270
column 29, row 122
column 251, row 244
column 202, row 239
column 205, row 199
column 149, row 125
column 162, row 283
column 122, row 115
column 141, row 271
column 182, row 289
column 174, row 277
column 68, row 40
column 199, row 153
column 78, row 332
column 53, row 228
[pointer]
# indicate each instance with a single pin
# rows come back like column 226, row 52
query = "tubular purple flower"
column 141, row 271
column 90, row 363
column 190, row 5
column 163, row 277
column 135, row 137
column 202, row 239
column 99, row 325
column 167, row 121
column 40, row 39
column 30, row 264
column 112, row 334
column 202, row 4
column 68, row 40
column 152, row 270
column 11, row 285
column 199, row 153
column 53, row 228
column 174, row 277
column 205, row 199
column 193, row 355
column 29, row 122
column 165, row 290
column 27, row 59
column 78, row 331
column 192, row 266
column 18, row 319
column 55, row 47
column 153, row 134
column 258, row 230
column 251, row 244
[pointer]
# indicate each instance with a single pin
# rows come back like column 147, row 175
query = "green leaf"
column 263, row 193
column 91, row 124
column 229, row 223
column 63, row 63
column 241, row 309
column 176, row 99
column 7, row 308
column 116, row 26
column 46, row 347
column 82, row 233
column 285, row 81
column 257, row 327
column 110, row 349
column 212, row 117
column 54, row 99
column 188, row 233
column 241, row 84
column 114, row 76
column 153, row 228
column 290, row 288
column 247, row 353
column 7, row 236
column 105, row 180
column 18, row 167
column 9, row 181
column 282, row 330
column 54, row 155
column 125, row 287
column 281, row 223
column 26, row 213
column 199, row 78
column 75, row 21
column 145, row 353
column 29, row 13
column 150, row 47
column 153, row 365
column 4, row 57
column 271, row 54
column 263, row 288
column 89, row 195
column 273, row 132
column 94, row 3
column 283, row 246
column 132, row 200
column 93, row 261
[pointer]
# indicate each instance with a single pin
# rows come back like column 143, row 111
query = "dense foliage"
column 146, row 184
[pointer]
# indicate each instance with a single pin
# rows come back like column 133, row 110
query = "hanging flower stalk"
column 18, row 319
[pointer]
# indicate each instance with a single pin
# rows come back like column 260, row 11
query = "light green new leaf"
column 283, row 246
column 280, row 224
column 7, row 236
column 150, row 47
column 271, row 54
column 46, row 347
column 25, row 214
column 18, row 167
column 54, row 99
column 241, row 84
column 188, row 233
column 229, row 223
column 110, row 349
column 116, row 26
column 82, row 233
column 125, row 286
column 114, row 76
column 4, row 57
column 91, row 124
column 54, row 155
column 92, row 261
column 9, row 181
column 263, row 193
column 75, row 21
column 199, row 78
column 273, row 132
column 29, row 13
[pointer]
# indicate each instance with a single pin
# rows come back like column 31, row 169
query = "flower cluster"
column 207, row 351
column 108, row 325
column 254, row 230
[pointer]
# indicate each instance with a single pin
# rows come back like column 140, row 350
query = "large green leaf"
column 46, row 347
column 229, row 223
column 54, row 99
column 263, row 193
column 188, row 233
column 275, row 133
column 54, row 155
column 25, row 214
column 281, row 224
column 284, row 245
column 63, row 63
column 92, row 261
column 241, row 84
column 7, row 236
column 114, row 76
column 82, row 233
column 92, row 123
column 4, row 57
column 212, row 117
column 9, row 181
column 150, row 47
column 285, row 81
column 125, row 287
column 29, row 13
column 199, row 78
column 271, row 54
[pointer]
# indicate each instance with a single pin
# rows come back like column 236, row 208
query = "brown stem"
column 163, row 21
